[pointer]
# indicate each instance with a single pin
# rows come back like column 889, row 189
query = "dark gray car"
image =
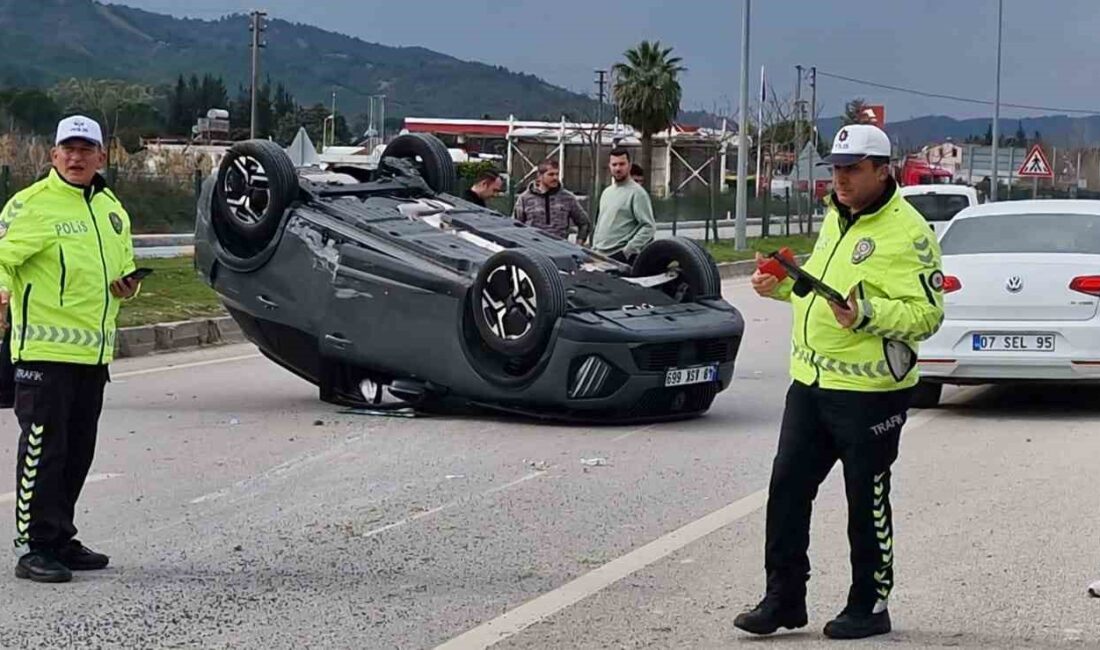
column 359, row 281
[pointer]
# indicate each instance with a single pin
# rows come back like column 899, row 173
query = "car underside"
column 385, row 281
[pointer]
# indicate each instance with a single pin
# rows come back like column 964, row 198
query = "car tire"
column 517, row 298
column 926, row 395
column 256, row 183
column 430, row 156
column 699, row 278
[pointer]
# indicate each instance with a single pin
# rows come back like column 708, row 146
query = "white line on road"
column 631, row 433
column 182, row 366
column 543, row 607
column 93, row 478
column 447, row 506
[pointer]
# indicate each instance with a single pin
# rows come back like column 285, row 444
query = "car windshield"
column 1023, row 233
column 938, row 207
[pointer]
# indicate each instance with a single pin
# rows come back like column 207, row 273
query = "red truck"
column 914, row 171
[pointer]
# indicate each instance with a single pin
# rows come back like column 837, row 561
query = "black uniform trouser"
column 58, row 407
column 821, row 426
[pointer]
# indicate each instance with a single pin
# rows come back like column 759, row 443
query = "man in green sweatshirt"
column 625, row 223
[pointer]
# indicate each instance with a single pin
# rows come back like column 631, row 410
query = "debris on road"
column 318, row 423
column 451, row 477
column 234, row 422
column 540, row 465
column 594, row 462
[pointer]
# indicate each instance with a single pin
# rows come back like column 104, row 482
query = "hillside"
column 44, row 41
column 1057, row 130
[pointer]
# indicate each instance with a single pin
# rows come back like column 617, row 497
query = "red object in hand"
column 770, row 266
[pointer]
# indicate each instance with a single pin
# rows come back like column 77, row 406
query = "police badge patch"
column 936, row 280
column 116, row 222
column 864, row 248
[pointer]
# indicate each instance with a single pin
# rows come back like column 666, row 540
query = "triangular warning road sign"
column 1035, row 165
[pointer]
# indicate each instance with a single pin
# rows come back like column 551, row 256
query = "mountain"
column 45, row 41
column 1056, row 130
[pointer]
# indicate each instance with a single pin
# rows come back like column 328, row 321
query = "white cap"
column 78, row 126
column 856, row 142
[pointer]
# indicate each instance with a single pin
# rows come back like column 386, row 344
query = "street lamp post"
column 743, row 135
column 997, row 107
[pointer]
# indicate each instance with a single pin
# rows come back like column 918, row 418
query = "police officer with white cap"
column 65, row 262
column 853, row 365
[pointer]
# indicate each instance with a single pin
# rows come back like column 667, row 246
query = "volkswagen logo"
column 1015, row 284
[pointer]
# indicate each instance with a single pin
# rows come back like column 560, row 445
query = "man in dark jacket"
column 487, row 185
column 551, row 208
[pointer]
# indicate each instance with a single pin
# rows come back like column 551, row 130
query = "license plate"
column 688, row 376
column 1013, row 342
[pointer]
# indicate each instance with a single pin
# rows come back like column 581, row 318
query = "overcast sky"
column 1051, row 54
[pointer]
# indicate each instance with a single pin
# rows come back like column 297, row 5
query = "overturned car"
column 362, row 281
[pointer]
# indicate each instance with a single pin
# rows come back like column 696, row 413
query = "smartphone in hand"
column 138, row 275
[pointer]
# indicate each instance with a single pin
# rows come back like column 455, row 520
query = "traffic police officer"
column 64, row 251
column 854, row 367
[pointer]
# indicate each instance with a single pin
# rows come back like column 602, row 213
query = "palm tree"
column 647, row 91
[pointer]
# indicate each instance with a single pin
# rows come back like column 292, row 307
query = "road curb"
column 144, row 340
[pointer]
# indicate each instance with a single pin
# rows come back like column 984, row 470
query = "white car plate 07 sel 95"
column 1013, row 342
column 688, row 376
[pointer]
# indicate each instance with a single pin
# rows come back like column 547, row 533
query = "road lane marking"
column 546, row 605
column 184, row 366
column 10, row 497
column 427, row 513
column 631, row 433
column 543, row 607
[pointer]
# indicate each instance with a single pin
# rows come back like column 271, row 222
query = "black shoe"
column 770, row 615
column 42, row 566
column 848, row 626
column 78, row 557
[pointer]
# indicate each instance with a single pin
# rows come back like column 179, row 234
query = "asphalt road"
column 240, row 512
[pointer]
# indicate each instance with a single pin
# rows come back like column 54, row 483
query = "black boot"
column 78, row 557
column 772, row 614
column 42, row 566
column 849, row 626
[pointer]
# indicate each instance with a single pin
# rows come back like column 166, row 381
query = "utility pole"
column 798, row 141
column 997, row 111
column 257, row 25
column 382, row 121
column 601, row 84
column 743, row 136
column 813, row 143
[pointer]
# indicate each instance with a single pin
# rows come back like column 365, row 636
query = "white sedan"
column 1021, row 289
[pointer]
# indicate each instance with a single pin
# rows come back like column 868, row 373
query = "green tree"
column 854, row 111
column 1020, row 139
column 29, row 110
column 647, row 92
column 177, row 108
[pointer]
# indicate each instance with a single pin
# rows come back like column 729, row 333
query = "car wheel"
column 430, row 157
column 256, row 183
column 926, row 395
column 698, row 277
column 517, row 297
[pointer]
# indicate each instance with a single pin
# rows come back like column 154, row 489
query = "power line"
column 968, row 100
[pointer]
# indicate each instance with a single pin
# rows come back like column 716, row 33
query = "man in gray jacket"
column 551, row 208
